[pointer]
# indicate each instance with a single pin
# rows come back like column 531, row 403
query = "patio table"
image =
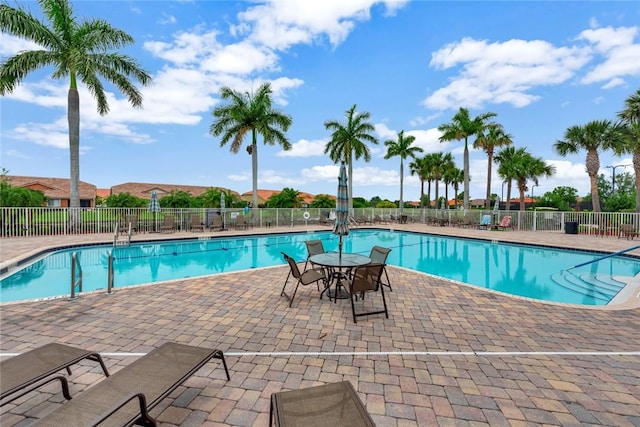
column 337, row 263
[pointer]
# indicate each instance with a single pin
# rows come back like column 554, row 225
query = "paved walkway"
column 449, row 354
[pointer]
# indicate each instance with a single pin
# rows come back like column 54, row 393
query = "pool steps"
column 599, row 287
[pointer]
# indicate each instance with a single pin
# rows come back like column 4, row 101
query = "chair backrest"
column 195, row 219
column 217, row 221
column 314, row 247
column 506, row 221
column 486, row 220
column 366, row 278
column 379, row 254
column 240, row 220
column 295, row 271
column 169, row 220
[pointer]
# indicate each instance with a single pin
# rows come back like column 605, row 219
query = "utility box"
column 571, row 227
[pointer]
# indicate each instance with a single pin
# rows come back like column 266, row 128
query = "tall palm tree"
column 592, row 137
column 441, row 162
column 449, row 177
column 462, row 126
column 630, row 120
column 246, row 113
column 527, row 167
column 456, row 177
column 494, row 136
column 420, row 167
column 402, row 147
column 348, row 141
column 79, row 50
column 506, row 161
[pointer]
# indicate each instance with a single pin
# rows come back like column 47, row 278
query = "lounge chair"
column 379, row 255
column 216, row 223
column 335, row 404
column 126, row 397
column 196, row 223
column 168, row 224
column 366, row 278
column 485, row 222
column 28, row 371
column 627, row 230
column 304, row 278
column 505, row 223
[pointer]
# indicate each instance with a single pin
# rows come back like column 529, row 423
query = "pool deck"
column 448, row 355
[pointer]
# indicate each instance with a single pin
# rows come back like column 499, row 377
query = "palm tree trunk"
column 429, row 192
column 489, row 161
column 522, row 187
column 593, row 165
column 465, row 202
column 401, row 182
column 636, row 169
column 73, row 117
column 508, row 207
column 422, row 193
column 437, row 184
column 254, row 171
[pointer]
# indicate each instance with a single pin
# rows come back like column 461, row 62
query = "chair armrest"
column 144, row 414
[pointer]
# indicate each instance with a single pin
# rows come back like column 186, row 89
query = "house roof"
column 144, row 190
column 103, row 192
column 263, row 196
column 53, row 188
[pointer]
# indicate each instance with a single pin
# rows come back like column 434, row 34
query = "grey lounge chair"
column 379, row 255
column 126, row 397
column 196, row 223
column 28, row 371
column 336, row 404
column 168, row 224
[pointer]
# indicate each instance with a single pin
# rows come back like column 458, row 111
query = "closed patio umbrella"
column 496, row 208
column 341, row 226
column 222, row 206
column 154, row 206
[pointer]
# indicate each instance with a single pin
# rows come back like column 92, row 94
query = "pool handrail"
column 604, row 257
column 75, row 266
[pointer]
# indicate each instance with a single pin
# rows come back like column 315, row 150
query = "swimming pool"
column 528, row 271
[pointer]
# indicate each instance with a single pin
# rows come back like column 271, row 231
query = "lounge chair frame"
column 149, row 379
column 366, row 278
column 304, row 278
column 30, row 370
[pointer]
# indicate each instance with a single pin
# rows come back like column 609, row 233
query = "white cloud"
column 10, row 45
column 621, row 54
column 16, row 154
column 305, row 148
column 167, row 19
column 280, row 24
column 501, row 72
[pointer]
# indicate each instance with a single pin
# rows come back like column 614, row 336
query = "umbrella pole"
column 340, row 248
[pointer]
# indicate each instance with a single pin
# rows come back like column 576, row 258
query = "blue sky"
column 542, row 66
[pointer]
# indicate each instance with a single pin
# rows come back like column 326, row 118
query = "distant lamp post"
column 613, row 178
column 532, row 187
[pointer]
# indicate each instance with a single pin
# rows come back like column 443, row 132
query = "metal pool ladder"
column 75, row 268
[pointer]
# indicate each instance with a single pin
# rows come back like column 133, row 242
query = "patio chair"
column 241, row 224
column 627, row 230
column 168, row 224
column 217, row 223
column 505, row 223
column 334, row 404
column 307, row 277
column 126, row 397
column 485, row 222
column 379, row 255
column 315, row 247
column 366, row 278
column 30, row 370
column 129, row 220
column 196, row 223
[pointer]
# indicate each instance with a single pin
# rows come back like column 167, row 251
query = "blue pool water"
column 528, row 271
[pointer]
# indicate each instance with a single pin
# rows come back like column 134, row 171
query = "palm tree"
column 440, row 163
column 245, row 113
column 77, row 50
column 461, row 127
column 420, row 167
column 402, row 147
column 630, row 118
column 595, row 135
column 452, row 176
column 506, row 161
column 348, row 141
column 488, row 140
column 526, row 167
column 456, row 177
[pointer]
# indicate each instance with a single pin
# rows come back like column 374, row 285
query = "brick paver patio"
column 449, row 354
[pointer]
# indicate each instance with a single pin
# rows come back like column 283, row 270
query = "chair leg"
column 294, row 293
column 285, row 284
column 353, row 308
column 384, row 302
column 388, row 284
